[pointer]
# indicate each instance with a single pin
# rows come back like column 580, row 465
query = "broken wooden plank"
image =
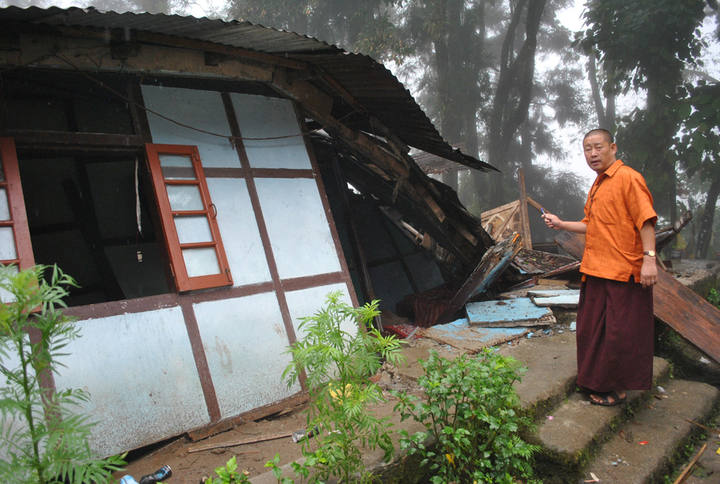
column 233, row 443
column 556, row 291
column 508, row 313
column 469, row 338
column 562, row 299
column 493, row 263
column 563, row 269
column 674, row 304
column 664, row 236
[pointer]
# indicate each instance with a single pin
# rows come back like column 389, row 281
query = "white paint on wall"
column 196, row 108
column 306, row 302
column 245, row 343
column 268, row 117
column 239, row 231
column 298, row 228
column 141, row 375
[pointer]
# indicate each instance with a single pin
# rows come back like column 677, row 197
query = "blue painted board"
column 503, row 311
column 465, row 336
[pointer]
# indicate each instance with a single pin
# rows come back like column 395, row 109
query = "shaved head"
column 607, row 134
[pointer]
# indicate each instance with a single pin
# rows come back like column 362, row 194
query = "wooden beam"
column 535, row 204
column 524, row 220
column 185, row 43
column 28, row 137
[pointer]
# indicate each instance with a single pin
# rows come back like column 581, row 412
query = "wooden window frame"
column 16, row 206
column 167, row 217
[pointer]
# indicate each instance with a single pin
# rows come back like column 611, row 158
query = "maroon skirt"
column 614, row 335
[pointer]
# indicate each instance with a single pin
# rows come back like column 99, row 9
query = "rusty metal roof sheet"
column 373, row 86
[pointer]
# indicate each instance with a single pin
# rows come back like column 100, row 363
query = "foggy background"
column 518, row 82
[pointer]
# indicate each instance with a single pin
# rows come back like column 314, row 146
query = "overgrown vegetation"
column 339, row 352
column 472, row 418
column 43, row 439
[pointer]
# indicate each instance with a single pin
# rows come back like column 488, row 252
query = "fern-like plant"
column 42, row 441
column 338, row 365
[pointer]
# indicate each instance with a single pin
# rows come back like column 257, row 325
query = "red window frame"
column 24, row 257
column 167, row 216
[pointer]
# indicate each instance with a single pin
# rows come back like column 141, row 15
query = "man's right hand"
column 552, row 220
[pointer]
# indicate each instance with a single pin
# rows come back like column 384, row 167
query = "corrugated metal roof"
column 373, row 86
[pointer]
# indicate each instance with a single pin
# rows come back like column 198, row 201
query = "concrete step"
column 551, row 370
column 626, row 458
column 569, row 432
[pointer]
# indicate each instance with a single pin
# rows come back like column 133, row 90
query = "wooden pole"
column 524, row 220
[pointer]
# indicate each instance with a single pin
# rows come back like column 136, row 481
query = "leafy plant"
column 228, row 474
column 274, row 465
column 338, row 364
column 713, row 297
column 43, row 440
column 472, row 420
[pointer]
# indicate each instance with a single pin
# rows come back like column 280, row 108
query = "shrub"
column 338, row 365
column 472, row 420
column 43, row 440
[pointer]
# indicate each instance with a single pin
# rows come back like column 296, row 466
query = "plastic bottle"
column 159, row 475
column 128, row 480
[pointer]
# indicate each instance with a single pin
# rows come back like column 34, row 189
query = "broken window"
column 92, row 215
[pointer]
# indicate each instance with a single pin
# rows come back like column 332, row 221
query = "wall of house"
column 161, row 365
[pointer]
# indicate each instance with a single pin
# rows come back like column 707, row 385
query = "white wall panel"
column 266, row 117
column 306, row 302
column 196, row 108
column 141, row 375
column 299, row 232
column 239, row 231
column 245, row 342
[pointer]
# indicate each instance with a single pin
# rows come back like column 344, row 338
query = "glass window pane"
column 193, row 229
column 6, row 296
column 7, row 244
column 184, row 197
column 4, row 208
column 175, row 160
column 201, row 262
column 176, row 167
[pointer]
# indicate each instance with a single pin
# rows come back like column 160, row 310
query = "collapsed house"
column 208, row 183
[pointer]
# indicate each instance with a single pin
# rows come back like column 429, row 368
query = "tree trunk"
column 514, row 89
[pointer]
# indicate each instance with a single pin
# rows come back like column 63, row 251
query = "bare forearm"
column 554, row 222
column 648, row 271
column 647, row 236
column 577, row 227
